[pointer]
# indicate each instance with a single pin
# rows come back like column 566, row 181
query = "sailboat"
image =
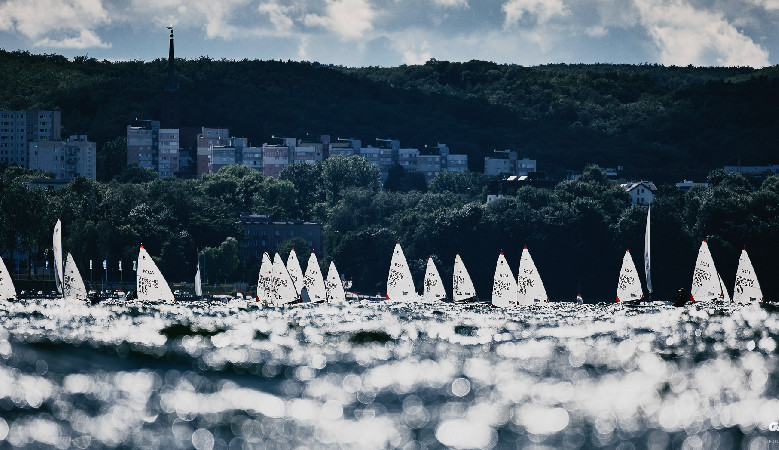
column 628, row 284
column 72, row 284
column 198, row 285
column 150, row 284
column 747, row 287
column 264, row 279
column 504, row 288
column 333, row 286
column 462, row 286
column 648, row 254
column 313, row 282
column 7, row 289
column 282, row 288
column 293, row 267
column 400, row 285
column 705, row 279
column 529, row 285
column 57, row 248
column 433, row 286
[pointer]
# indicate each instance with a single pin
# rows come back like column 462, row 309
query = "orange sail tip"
column 628, row 250
column 141, row 246
column 617, row 299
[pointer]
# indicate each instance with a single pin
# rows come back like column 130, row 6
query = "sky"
column 359, row 33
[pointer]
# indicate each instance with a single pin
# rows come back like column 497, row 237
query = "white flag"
column 105, row 264
column 90, row 264
column 120, row 265
column 134, row 265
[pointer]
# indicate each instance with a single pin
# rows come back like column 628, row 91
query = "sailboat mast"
column 647, row 253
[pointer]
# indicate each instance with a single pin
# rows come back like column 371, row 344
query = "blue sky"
column 393, row 32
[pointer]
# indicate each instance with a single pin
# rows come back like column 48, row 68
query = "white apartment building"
column 19, row 128
column 67, row 160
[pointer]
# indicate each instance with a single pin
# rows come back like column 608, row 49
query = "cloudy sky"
column 393, row 32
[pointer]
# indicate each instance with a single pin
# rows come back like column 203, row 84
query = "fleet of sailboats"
column 282, row 284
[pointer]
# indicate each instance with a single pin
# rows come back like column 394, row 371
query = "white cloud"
column 85, row 39
column 39, row 20
column 303, row 49
column 685, row 35
column 278, row 15
column 769, row 5
column 349, row 19
column 543, row 10
column 452, row 3
column 217, row 18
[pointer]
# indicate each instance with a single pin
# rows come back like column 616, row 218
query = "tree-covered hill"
column 662, row 123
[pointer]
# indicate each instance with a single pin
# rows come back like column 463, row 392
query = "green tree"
column 339, row 173
column 297, row 243
column 112, row 159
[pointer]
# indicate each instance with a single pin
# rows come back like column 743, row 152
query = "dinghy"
column 198, row 285
column 462, row 286
column 264, row 280
column 313, row 282
column 504, row 288
column 333, row 286
column 150, row 284
column 72, row 283
column 57, row 249
column 293, row 267
column 433, row 286
column 747, row 287
column 7, row 289
column 529, row 285
column 400, row 285
column 705, row 280
column 628, row 284
column 282, row 289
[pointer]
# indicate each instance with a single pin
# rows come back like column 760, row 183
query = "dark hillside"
column 662, row 123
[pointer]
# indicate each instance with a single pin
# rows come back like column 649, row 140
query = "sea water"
column 380, row 375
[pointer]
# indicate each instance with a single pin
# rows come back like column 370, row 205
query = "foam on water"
column 375, row 375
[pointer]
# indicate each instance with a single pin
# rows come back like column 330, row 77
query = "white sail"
column 400, row 285
column 7, row 289
column 648, row 253
column 529, row 285
column 504, row 288
column 462, row 286
column 264, row 279
column 628, row 284
column 747, row 287
column 72, row 284
column 705, row 281
column 57, row 248
column 313, row 282
column 723, row 296
column 334, row 287
column 198, row 285
column 293, row 267
column 282, row 288
column 150, row 284
column 433, row 286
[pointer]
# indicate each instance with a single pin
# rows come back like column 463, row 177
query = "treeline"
column 661, row 123
column 577, row 232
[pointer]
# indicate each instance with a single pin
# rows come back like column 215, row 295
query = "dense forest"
column 659, row 123
column 576, row 231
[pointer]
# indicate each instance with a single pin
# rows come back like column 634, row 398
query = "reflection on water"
column 372, row 375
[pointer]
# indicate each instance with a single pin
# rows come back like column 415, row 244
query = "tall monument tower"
column 170, row 107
